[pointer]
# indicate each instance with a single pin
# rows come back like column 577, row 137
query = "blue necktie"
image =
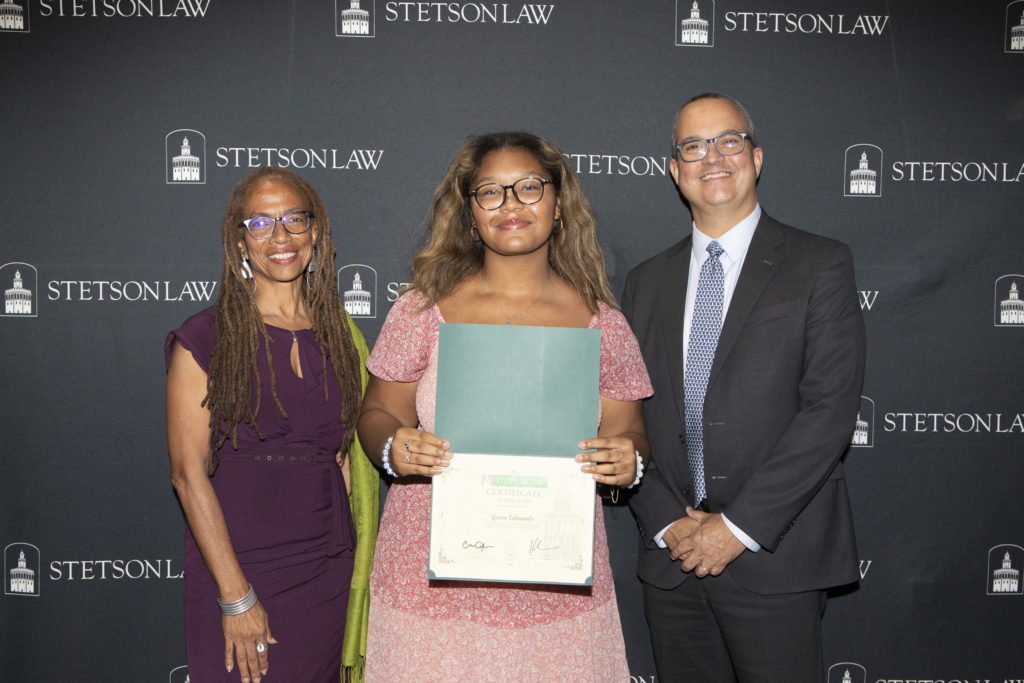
column 705, row 326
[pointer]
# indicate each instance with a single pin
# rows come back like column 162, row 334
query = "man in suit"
column 753, row 337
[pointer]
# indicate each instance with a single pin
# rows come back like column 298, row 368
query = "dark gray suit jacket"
column 780, row 407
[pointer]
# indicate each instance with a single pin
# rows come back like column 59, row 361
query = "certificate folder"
column 514, row 402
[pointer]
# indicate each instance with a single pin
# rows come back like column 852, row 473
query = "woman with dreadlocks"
column 263, row 392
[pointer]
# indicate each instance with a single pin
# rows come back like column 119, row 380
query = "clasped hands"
column 702, row 542
column 414, row 451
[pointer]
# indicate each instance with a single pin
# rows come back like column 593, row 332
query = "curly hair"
column 454, row 251
column 233, row 377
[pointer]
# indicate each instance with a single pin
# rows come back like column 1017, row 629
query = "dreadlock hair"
column 454, row 250
column 233, row 377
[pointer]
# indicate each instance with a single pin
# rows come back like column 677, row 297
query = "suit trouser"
column 712, row 630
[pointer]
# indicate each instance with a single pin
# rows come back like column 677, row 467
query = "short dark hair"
column 751, row 135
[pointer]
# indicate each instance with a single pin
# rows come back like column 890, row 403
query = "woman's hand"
column 614, row 461
column 414, row 451
column 243, row 634
column 342, row 460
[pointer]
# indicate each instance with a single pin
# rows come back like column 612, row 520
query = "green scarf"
column 364, row 501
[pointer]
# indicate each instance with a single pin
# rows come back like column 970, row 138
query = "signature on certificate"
column 535, row 544
column 475, row 545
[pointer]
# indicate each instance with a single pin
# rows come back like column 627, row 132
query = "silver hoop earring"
column 246, row 269
column 312, row 262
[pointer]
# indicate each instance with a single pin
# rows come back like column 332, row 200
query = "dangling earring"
column 312, row 262
column 473, row 232
column 556, row 225
column 246, row 268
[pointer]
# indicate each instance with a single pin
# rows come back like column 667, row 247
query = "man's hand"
column 708, row 548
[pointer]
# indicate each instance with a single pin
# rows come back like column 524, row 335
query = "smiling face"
column 514, row 228
column 282, row 257
column 721, row 190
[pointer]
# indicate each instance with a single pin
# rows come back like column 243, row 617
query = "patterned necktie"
column 705, row 327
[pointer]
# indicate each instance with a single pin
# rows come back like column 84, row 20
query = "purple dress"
column 287, row 513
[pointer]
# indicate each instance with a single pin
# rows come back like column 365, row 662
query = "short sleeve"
column 197, row 335
column 623, row 373
column 402, row 350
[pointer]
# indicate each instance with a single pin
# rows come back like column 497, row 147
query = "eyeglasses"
column 727, row 144
column 490, row 196
column 262, row 227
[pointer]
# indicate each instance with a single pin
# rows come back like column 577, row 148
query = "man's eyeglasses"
column 490, row 196
column 727, row 144
column 262, row 227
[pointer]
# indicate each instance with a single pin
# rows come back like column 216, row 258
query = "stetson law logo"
column 20, row 295
column 847, row 672
column 357, row 286
column 694, row 27
column 618, row 164
column 864, row 428
column 1015, row 28
column 819, row 23
column 14, row 16
column 1004, row 565
column 467, row 12
column 354, row 18
column 179, row 674
column 21, row 570
column 953, row 423
column 108, row 9
column 862, row 171
column 185, row 152
column 1009, row 307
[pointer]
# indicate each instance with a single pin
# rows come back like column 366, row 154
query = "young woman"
column 512, row 241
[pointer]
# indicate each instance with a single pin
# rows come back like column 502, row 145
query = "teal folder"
column 511, row 389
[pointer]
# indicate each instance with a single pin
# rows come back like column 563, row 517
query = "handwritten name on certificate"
column 517, row 518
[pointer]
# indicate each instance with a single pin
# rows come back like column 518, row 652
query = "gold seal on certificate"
column 514, row 402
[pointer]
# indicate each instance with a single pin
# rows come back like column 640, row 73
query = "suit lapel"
column 671, row 305
column 763, row 259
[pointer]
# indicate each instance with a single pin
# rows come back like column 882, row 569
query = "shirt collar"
column 735, row 241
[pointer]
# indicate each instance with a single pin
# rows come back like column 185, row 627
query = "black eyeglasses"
column 727, row 144
column 262, row 227
column 490, row 196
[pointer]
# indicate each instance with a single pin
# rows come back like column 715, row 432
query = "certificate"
column 514, row 402
column 522, row 518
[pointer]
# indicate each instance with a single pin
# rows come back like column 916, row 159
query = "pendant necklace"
column 520, row 314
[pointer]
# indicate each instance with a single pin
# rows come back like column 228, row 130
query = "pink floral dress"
column 424, row 630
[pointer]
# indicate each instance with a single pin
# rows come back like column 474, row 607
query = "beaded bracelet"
column 639, row 470
column 386, row 457
column 239, row 606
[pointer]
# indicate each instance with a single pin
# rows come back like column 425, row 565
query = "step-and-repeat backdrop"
column 895, row 126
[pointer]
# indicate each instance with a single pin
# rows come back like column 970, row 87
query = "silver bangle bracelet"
column 242, row 604
column 386, row 457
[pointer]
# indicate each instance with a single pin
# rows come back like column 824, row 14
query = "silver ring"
column 620, row 456
column 406, row 445
column 261, row 647
column 407, row 455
